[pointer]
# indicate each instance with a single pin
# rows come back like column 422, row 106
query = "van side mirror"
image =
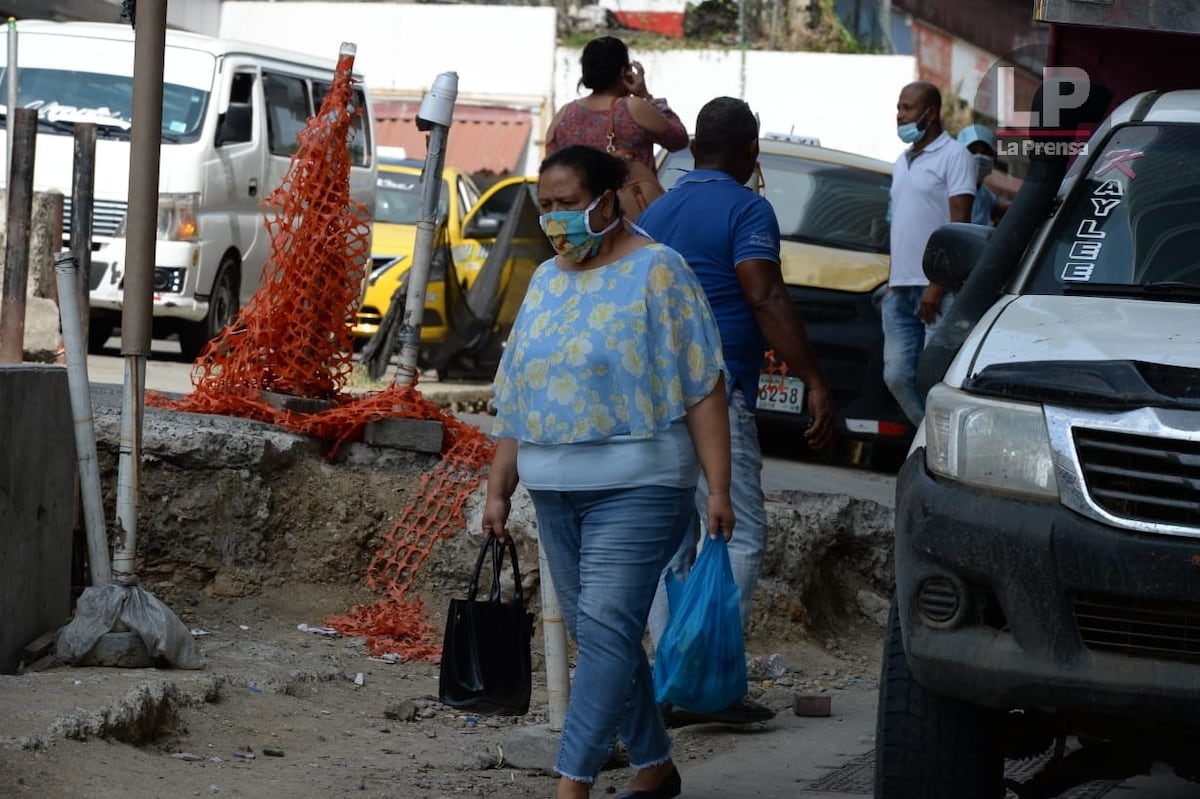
column 951, row 252
column 482, row 226
column 236, row 124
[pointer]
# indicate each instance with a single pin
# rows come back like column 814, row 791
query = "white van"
column 231, row 112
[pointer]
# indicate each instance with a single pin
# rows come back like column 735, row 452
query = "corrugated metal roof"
column 486, row 139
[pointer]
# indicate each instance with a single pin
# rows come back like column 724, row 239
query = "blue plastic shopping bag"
column 700, row 663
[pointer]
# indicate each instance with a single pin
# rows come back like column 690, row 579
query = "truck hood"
column 832, row 268
column 1049, row 328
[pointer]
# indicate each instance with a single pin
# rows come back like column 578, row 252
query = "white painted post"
column 554, row 636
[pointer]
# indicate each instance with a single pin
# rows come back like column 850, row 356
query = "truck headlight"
column 989, row 443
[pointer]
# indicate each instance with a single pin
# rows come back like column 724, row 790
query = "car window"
column 468, row 195
column 815, row 201
column 1131, row 220
column 288, row 111
column 500, row 203
column 829, row 204
column 360, row 143
column 398, row 198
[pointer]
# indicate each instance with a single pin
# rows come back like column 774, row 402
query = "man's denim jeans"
column 750, row 518
column 607, row 550
column 904, row 337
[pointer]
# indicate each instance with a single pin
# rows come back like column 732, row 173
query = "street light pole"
column 435, row 115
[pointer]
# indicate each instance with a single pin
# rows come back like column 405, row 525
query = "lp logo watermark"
column 1025, row 132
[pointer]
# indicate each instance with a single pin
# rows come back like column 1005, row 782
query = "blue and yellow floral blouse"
column 621, row 349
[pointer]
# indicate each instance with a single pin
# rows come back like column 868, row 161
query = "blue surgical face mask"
column 983, row 166
column 910, row 132
column 570, row 232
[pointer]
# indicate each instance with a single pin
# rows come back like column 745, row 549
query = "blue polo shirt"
column 716, row 223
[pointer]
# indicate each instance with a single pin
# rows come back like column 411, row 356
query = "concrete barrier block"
column 288, row 402
column 419, row 435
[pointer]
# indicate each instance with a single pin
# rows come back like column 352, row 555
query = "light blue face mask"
column 910, row 132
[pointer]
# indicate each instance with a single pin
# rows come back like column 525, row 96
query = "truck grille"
column 107, row 216
column 1143, row 478
column 1141, row 628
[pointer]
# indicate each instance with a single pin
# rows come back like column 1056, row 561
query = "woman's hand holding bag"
column 486, row 664
column 700, row 663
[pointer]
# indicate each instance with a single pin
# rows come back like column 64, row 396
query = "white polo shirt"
column 921, row 193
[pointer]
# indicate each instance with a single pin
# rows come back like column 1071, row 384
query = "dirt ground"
column 278, row 712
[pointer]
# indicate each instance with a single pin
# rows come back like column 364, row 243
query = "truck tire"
column 222, row 309
column 928, row 746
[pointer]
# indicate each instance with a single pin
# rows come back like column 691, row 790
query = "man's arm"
column 960, row 207
column 779, row 320
column 931, row 298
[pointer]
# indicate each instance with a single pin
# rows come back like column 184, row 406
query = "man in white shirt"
column 933, row 183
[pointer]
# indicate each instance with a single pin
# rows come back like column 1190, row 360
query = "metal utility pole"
column 435, row 115
column 12, row 86
column 138, row 308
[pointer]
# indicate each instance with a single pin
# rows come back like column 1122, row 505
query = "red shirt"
column 578, row 125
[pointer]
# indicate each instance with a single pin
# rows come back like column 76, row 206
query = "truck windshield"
column 64, row 97
column 1130, row 226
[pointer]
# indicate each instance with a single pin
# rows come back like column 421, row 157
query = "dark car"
column 832, row 208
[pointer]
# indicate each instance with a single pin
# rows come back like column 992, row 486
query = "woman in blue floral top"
column 610, row 399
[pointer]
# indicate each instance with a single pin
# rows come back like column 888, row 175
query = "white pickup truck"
column 1048, row 516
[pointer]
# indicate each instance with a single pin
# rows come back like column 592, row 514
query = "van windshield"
column 1130, row 226
column 64, row 97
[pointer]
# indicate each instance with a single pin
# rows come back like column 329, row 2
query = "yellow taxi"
column 471, row 220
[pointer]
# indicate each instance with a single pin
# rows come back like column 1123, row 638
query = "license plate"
column 780, row 393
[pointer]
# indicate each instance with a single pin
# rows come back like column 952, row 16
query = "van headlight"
column 176, row 218
column 989, row 443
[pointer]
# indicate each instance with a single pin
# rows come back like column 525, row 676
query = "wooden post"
column 23, row 129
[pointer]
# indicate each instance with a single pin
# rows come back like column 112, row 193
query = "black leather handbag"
column 485, row 664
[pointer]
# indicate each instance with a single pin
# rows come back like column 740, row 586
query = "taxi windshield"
column 815, row 202
column 398, row 198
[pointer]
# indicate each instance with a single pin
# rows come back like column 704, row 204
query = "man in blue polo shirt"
column 730, row 237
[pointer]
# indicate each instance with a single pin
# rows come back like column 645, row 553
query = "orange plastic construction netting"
column 293, row 339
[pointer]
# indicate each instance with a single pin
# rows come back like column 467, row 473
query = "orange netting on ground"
column 293, row 339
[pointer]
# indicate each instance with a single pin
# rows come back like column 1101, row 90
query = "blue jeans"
column 904, row 337
column 749, row 512
column 606, row 551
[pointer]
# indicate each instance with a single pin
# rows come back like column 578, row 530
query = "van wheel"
column 222, row 308
column 928, row 746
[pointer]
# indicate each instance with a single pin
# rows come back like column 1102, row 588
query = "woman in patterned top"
column 639, row 120
column 610, row 399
